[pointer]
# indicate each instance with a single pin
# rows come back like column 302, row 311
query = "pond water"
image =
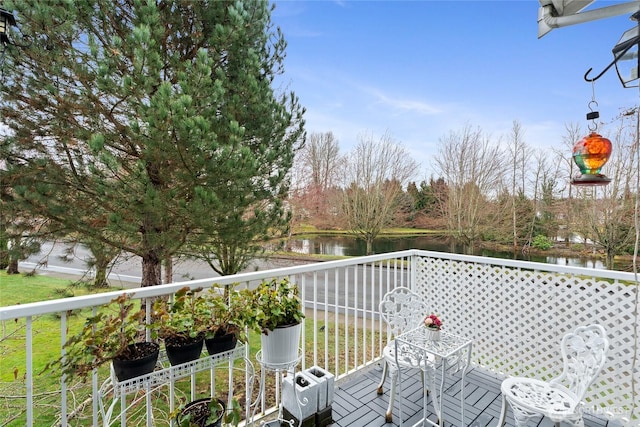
column 349, row 246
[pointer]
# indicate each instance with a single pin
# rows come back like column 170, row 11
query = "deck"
column 356, row 403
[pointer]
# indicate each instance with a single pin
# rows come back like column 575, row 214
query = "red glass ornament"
column 590, row 154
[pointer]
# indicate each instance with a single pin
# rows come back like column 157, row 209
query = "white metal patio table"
column 450, row 354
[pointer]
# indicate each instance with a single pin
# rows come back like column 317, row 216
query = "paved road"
column 127, row 269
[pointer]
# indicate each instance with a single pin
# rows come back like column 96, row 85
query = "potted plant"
column 278, row 316
column 208, row 412
column 180, row 323
column 229, row 313
column 433, row 324
column 112, row 335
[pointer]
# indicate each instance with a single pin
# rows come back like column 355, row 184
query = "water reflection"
column 348, row 246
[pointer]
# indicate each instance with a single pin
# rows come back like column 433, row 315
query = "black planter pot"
column 179, row 354
column 219, row 344
column 145, row 357
column 198, row 413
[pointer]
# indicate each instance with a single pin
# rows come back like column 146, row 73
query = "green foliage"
column 494, row 235
column 19, row 289
column 428, row 196
column 104, row 337
column 201, row 413
column 234, row 414
column 542, row 242
column 181, row 320
column 276, row 303
column 230, row 311
column 208, row 412
column 162, row 141
column 193, row 314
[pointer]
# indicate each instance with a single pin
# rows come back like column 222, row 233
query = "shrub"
column 542, row 242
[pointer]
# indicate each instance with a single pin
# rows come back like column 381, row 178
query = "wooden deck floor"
column 356, row 403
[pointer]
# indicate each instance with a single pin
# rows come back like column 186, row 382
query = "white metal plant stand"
column 450, row 354
column 280, row 369
column 166, row 376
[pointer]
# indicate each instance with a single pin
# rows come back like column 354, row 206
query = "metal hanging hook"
column 599, row 75
column 617, row 56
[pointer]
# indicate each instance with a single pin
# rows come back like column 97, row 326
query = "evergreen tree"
column 149, row 125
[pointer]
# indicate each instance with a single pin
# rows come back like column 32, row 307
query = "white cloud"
column 406, row 105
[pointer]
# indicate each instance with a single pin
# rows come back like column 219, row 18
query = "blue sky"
column 420, row 69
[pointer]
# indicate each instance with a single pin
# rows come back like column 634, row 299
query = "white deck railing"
column 516, row 312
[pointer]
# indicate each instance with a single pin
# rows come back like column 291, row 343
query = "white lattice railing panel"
column 518, row 312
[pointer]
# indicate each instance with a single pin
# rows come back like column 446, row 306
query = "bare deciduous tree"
column 321, row 157
column 545, row 184
column 374, row 175
column 518, row 155
column 573, row 133
column 472, row 167
column 316, row 167
column 611, row 219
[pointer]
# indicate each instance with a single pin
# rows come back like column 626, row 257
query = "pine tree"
column 146, row 124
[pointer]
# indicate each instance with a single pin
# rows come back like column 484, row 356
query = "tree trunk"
column 168, row 270
column 469, row 248
column 13, row 267
column 151, row 269
column 369, row 241
column 102, row 265
column 100, row 280
column 4, row 251
column 610, row 258
column 4, row 259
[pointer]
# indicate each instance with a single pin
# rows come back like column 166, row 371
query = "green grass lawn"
column 23, row 288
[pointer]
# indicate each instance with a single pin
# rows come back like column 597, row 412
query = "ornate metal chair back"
column 584, row 353
column 402, row 310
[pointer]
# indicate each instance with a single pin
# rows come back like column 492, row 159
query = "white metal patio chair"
column 402, row 310
column 584, row 352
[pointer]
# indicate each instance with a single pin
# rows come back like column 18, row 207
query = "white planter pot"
column 281, row 345
column 432, row 334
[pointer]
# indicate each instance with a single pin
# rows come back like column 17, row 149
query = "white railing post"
column 412, row 275
column 63, row 379
column 29, row 369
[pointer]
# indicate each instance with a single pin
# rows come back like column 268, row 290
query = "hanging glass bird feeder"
column 591, row 153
